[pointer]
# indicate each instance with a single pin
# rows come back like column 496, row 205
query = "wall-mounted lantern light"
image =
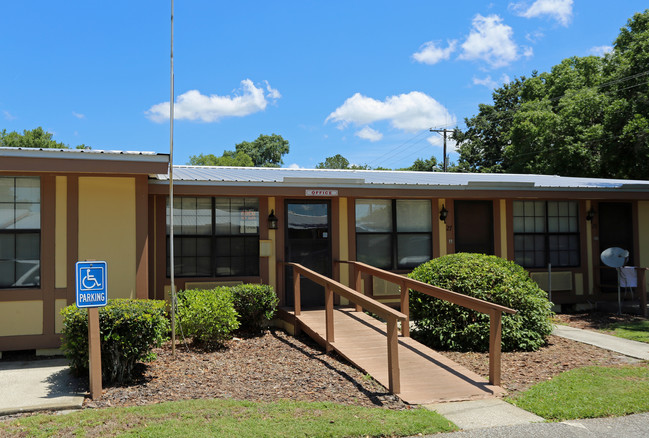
column 272, row 220
column 590, row 214
column 443, row 213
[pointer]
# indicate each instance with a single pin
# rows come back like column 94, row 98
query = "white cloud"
column 438, row 141
column 370, row 134
column 560, row 10
column 295, row 166
column 490, row 83
column 409, row 112
column 600, row 50
column 491, row 41
column 78, row 115
column 534, row 36
column 429, row 53
column 487, row 82
column 193, row 105
column 8, row 116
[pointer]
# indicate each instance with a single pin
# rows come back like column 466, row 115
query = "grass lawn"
column 636, row 330
column 226, row 418
column 589, row 392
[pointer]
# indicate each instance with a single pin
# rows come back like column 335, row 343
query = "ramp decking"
column 426, row 376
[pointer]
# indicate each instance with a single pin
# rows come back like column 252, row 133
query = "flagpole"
column 171, row 193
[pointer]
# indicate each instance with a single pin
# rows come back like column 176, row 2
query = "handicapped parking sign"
column 91, row 284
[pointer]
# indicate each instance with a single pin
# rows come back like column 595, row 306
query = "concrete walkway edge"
column 635, row 349
column 477, row 414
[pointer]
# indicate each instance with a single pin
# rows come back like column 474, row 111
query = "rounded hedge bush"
column 207, row 316
column 446, row 326
column 129, row 330
column 256, row 305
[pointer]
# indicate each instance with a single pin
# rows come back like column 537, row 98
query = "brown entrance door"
column 615, row 229
column 474, row 227
column 308, row 242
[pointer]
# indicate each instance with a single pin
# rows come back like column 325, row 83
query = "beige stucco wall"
column 58, row 318
column 61, row 233
column 442, row 231
column 21, row 318
column 643, row 236
column 503, row 228
column 107, row 230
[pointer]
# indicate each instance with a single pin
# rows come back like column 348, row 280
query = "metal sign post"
column 91, row 293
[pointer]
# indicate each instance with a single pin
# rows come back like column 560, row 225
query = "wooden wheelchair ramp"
column 426, row 376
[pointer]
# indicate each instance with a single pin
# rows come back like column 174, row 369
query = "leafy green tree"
column 587, row 116
column 335, row 162
column 35, row 138
column 229, row 158
column 266, row 150
column 425, row 165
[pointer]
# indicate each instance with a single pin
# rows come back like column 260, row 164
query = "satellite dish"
column 614, row 257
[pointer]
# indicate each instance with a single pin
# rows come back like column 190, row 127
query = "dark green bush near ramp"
column 446, row 326
column 129, row 330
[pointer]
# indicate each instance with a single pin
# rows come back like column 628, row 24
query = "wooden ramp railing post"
column 358, row 285
column 296, row 300
column 394, row 378
column 405, row 309
column 495, row 327
column 329, row 317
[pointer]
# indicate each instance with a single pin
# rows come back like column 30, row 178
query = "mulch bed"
column 275, row 366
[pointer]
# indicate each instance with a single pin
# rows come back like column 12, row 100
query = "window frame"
column 547, row 236
column 216, row 237
column 15, row 232
column 394, row 234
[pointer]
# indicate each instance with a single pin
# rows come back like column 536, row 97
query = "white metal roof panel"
column 208, row 175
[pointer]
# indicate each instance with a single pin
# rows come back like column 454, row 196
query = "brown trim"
column 510, row 229
column 161, row 246
column 9, row 343
column 594, row 227
column 379, row 193
column 583, row 249
column 351, row 231
column 141, row 237
column 62, row 165
column 73, row 234
column 151, row 202
column 21, row 295
column 280, row 251
column 61, row 293
column 264, row 212
column 334, row 227
column 48, row 207
column 497, row 235
column 434, row 203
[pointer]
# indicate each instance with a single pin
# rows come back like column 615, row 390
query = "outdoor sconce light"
column 443, row 213
column 272, row 220
column 590, row 214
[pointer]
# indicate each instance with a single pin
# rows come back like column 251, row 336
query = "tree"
column 266, row 150
column 35, row 138
column 229, row 158
column 587, row 116
column 425, row 165
column 335, row 162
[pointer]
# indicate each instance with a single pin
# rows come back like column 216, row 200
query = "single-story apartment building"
column 235, row 225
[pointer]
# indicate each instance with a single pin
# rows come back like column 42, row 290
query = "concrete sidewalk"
column 635, row 349
column 37, row 385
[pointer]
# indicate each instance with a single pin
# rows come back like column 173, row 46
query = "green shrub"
column 447, row 326
column 256, row 305
column 207, row 316
column 129, row 330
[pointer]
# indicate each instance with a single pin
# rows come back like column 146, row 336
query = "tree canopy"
column 335, row 162
column 34, row 138
column 265, row 151
column 587, row 116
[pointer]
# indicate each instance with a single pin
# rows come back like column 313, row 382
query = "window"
column 215, row 237
column 546, row 232
column 20, row 232
column 393, row 234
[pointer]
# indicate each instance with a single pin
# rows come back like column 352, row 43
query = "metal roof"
column 93, row 154
column 331, row 178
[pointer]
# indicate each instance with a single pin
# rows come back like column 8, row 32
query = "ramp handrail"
column 390, row 315
column 493, row 310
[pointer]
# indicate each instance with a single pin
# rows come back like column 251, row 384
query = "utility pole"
column 444, row 131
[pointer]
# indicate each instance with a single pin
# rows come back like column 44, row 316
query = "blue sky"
column 365, row 79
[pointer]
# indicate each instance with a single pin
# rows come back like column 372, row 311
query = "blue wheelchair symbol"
column 89, row 281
